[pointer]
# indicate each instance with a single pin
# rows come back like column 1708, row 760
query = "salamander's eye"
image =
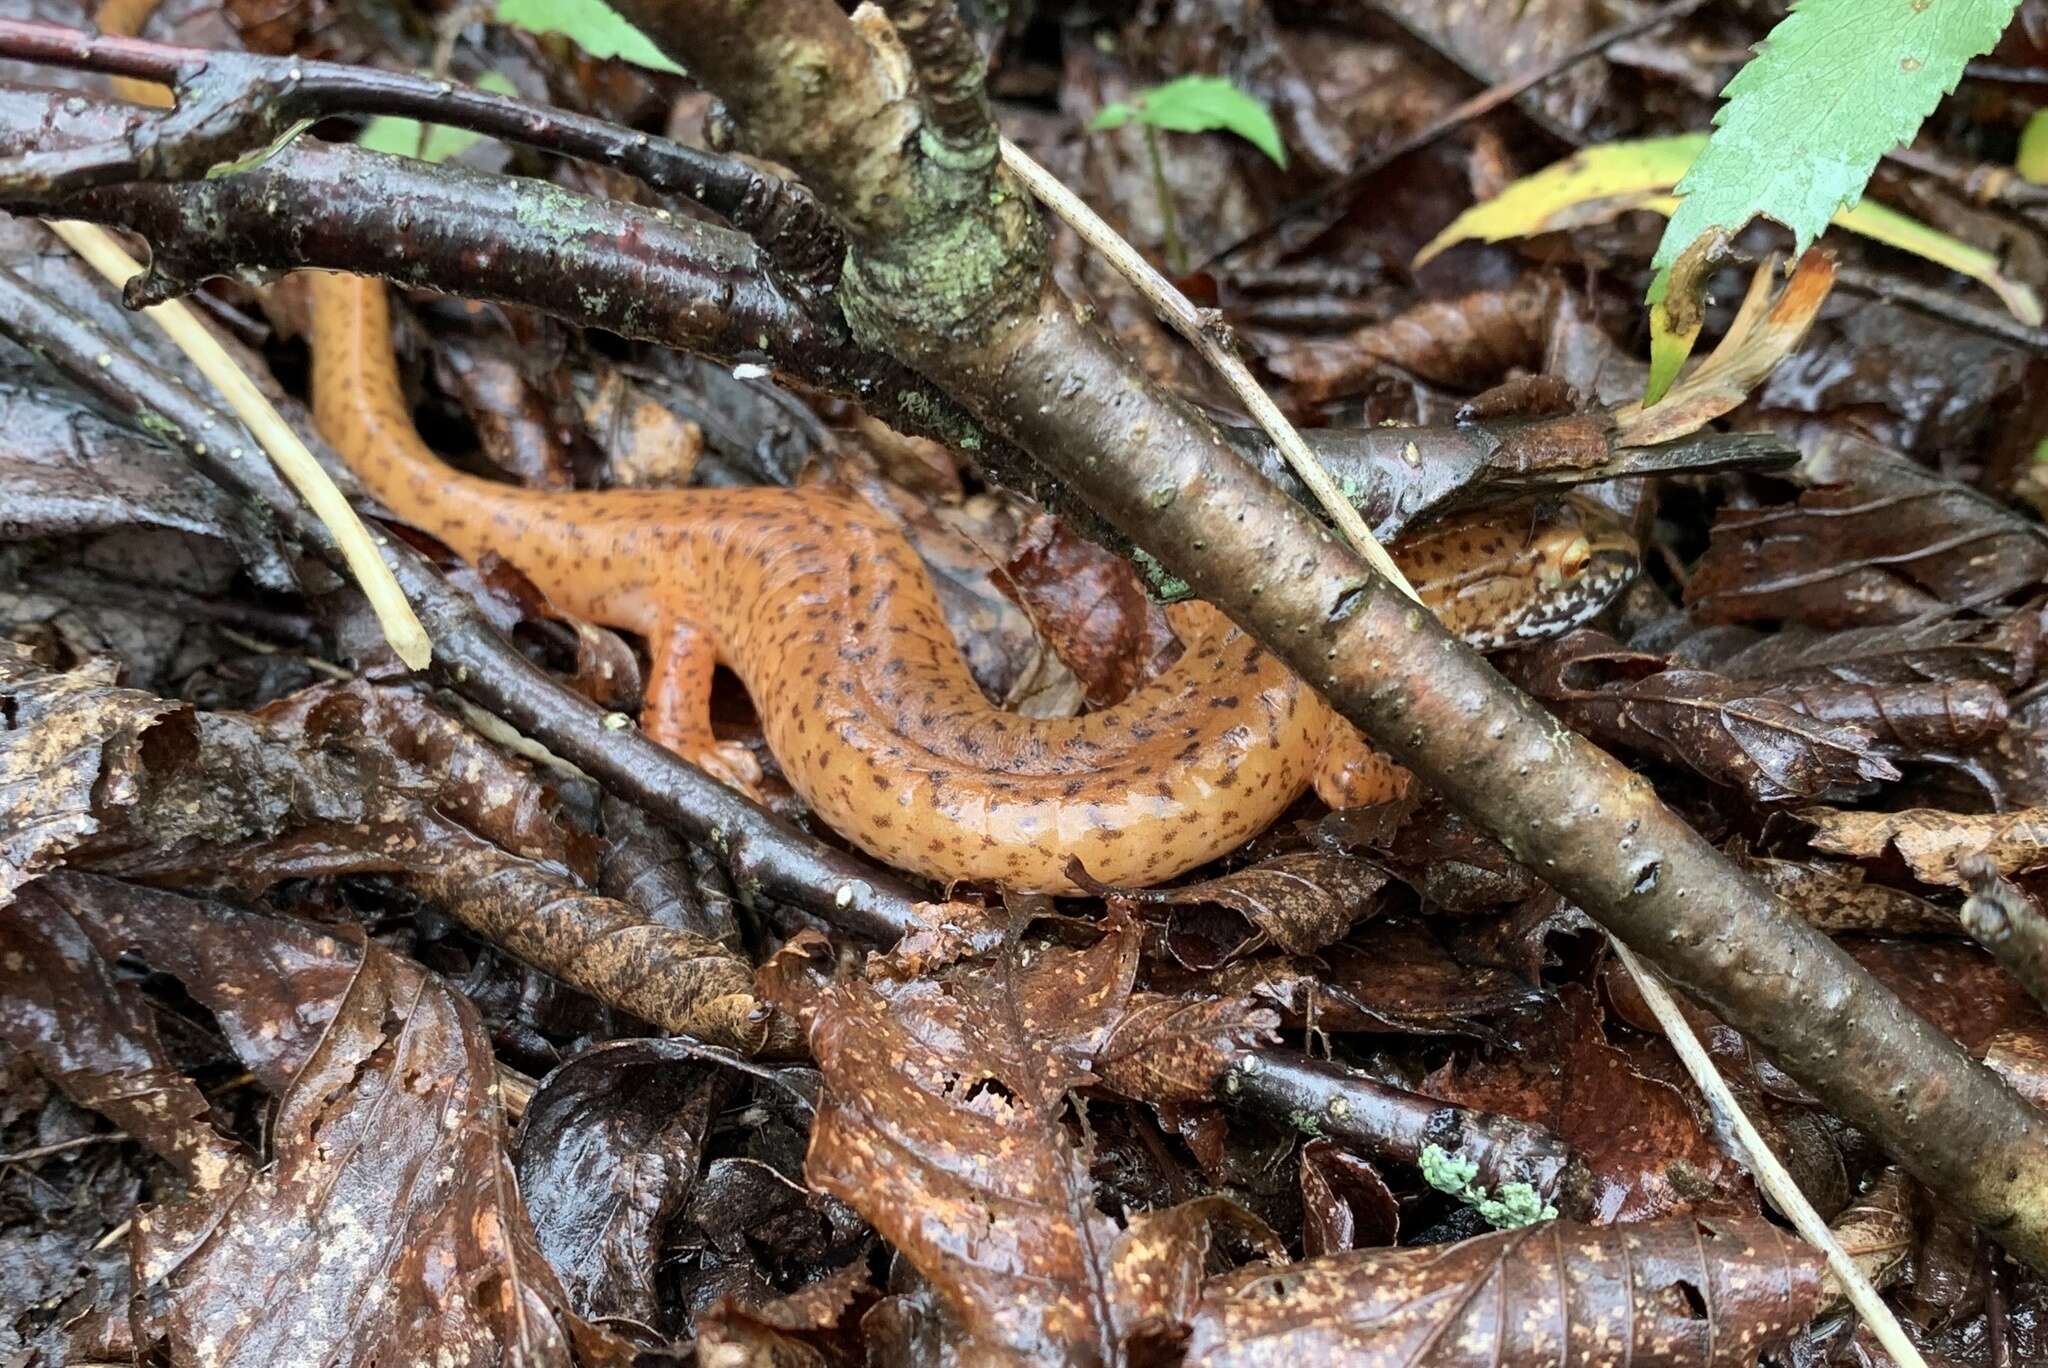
column 1567, row 557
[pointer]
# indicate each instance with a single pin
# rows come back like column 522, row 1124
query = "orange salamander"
column 824, row 611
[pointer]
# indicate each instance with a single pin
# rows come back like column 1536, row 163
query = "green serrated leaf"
column 401, row 137
column 591, row 24
column 1836, row 85
column 1201, row 104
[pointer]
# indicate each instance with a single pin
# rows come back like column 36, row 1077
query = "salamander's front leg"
column 677, row 712
column 1350, row 773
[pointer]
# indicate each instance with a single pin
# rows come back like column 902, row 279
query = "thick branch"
column 229, row 103
column 1035, row 371
column 317, row 205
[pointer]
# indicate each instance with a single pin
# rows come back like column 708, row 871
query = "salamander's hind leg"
column 1350, row 773
column 677, row 712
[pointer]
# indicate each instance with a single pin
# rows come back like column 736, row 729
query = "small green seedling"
column 1190, row 104
column 1517, row 1206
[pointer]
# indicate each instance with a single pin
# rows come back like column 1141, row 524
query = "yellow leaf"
column 2032, row 161
column 1601, row 183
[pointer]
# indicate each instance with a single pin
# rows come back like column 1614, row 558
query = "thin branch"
column 231, row 103
column 949, row 71
column 1385, row 1122
column 1771, row 1175
column 1211, row 337
column 358, row 548
column 76, row 1142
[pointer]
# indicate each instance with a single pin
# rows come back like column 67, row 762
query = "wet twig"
column 230, row 103
column 358, row 550
column 1385, row 1122
column 2006, row 921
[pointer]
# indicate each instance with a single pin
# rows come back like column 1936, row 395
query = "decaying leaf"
column 1873, row 538
column 1836, row 896
column 95, row 1036
column 1712, row 725
column 609, row 1146
column 1876, row 1231
column 1638, row 1135
column 1930, row 841
column 1394, row 976
column 817, row 1326
column 1090, row 607
column 1682, row 1292
column 1168, row 1048
column 70, row 757
column 1345, row 1204
column 1470, row 341
column 387, row 1226
column 1299, row 902
column 358, row 779
column 1765, row 331
column 942, row 1123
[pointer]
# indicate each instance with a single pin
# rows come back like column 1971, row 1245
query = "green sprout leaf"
column 1836, row 85
column 401, row 137
column 1198, row 104
column 591, row 24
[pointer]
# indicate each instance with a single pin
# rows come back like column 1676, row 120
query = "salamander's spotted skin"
column 824, row 611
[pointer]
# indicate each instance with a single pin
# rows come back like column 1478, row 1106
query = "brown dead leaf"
column 1393, row 976
column 1469, row 342
column 942, row 1123
column 1299, row 902
column 1874, row 538
column 1090, row 607
column 816, row 1326
column 360, row 779
column 1682, row 1292
column 1942, row 650
column 608, row 1150
column 1345, row 1204
column 1836, row 896
column 1711, row 725
column 1166, row 1049
column 1906, row 720
column 93, row 1034
column 1640, row 1139
column 70, row 757
column 1876, row 1232
column 1931, row 841
column 1450, row 862
column 387, row 1227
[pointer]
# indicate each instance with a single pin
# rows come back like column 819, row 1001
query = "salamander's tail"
column 361, row 409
